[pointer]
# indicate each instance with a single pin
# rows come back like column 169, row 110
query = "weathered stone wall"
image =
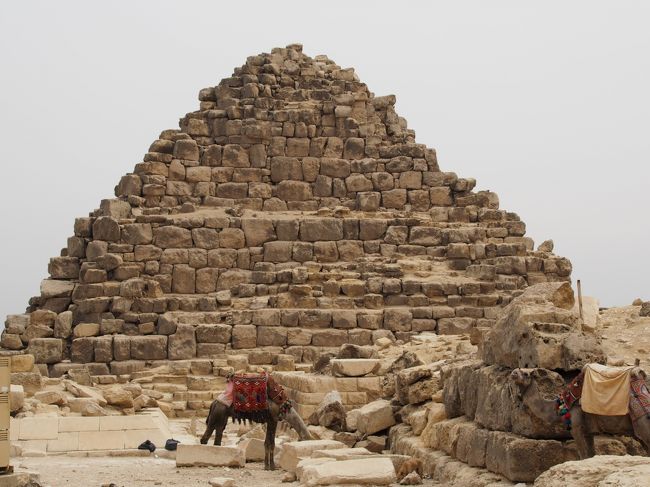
column 292, row 212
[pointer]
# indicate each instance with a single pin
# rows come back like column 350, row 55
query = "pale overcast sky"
column 545, row 103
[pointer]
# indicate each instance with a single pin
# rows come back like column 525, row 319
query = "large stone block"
column 374, row 417
column 152, row 347
column 363, row 471
column 294, row 451
column 182, row 344
column 321, row 229
column 209, row 456
column 46, row 350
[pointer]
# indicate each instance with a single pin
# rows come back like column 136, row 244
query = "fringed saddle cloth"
column 250, row 393
column 639, row 399
column 249, row 397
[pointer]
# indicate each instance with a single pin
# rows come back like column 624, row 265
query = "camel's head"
column 638, row 373
column 522, row 378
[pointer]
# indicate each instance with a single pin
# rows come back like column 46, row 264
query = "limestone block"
column 65, row 442
column 375, row 416
column 209, row 456
column 76, row 423
column 294, row 451
column 335, row 168
column 186, row 149
column 396, row 319
column 51, row 288
column 182, row 344
column 101, row 440
column 364, row 471
column 321, row 229
column 253, row 448
column 257, row 231
column 153, row 347
column 39, row 428
column 244, row 336
column 354, row 367
column 172, row 237
column 64, row 267
column 213, row 333
column 46, row 350
column 232, row 238
column 522, row 459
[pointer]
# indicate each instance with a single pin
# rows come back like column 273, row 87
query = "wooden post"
column 580, row 300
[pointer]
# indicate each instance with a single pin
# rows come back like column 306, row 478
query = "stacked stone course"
column 293, row 212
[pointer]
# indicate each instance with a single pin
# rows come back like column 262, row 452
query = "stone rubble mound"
column 293, row 212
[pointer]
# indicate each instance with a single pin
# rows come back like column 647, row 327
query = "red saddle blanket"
column 249, row 393
column 639, row 399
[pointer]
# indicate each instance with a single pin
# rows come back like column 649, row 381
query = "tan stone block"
column 101, row 440
column 118, row 423
column 65, row 442
column 78, row 423
column 209, row 456
column 135, row 437
column 346, row 384
column 294, row 451
column 39, row 428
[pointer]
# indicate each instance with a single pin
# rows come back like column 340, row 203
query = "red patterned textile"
column 249, row 393
column 573, row 391
column 639, row 399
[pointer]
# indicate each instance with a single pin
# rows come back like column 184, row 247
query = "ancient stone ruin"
column 293, row 224
column 292, row 212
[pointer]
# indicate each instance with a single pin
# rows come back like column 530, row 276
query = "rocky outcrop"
column 600, row 470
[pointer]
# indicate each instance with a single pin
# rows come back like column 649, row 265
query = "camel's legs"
column 580, row 431
column 269, row 444
column 220, row 425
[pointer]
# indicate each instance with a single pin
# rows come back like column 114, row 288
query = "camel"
column 583, row 425
column 218, row 418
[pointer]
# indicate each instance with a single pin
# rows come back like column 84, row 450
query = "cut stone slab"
column 209, row 456
column 365, row 471
column 294, row 451
column 342, row 453
column 354, row 367
column 375, row 416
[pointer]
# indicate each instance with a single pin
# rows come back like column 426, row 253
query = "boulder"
column 330, row 413
column 117, row 396
column 375, row 416
column 364, row 471
column 540, row 329
column 51, row 397
column 209, row 456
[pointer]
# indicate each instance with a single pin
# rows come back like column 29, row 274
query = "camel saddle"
column 608, row 391
column 250, row 395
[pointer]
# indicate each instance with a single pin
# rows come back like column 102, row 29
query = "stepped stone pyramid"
column 292, row 213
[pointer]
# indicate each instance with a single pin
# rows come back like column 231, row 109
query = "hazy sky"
column 545, row 103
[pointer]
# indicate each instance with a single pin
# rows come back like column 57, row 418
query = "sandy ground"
column 65, row 471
